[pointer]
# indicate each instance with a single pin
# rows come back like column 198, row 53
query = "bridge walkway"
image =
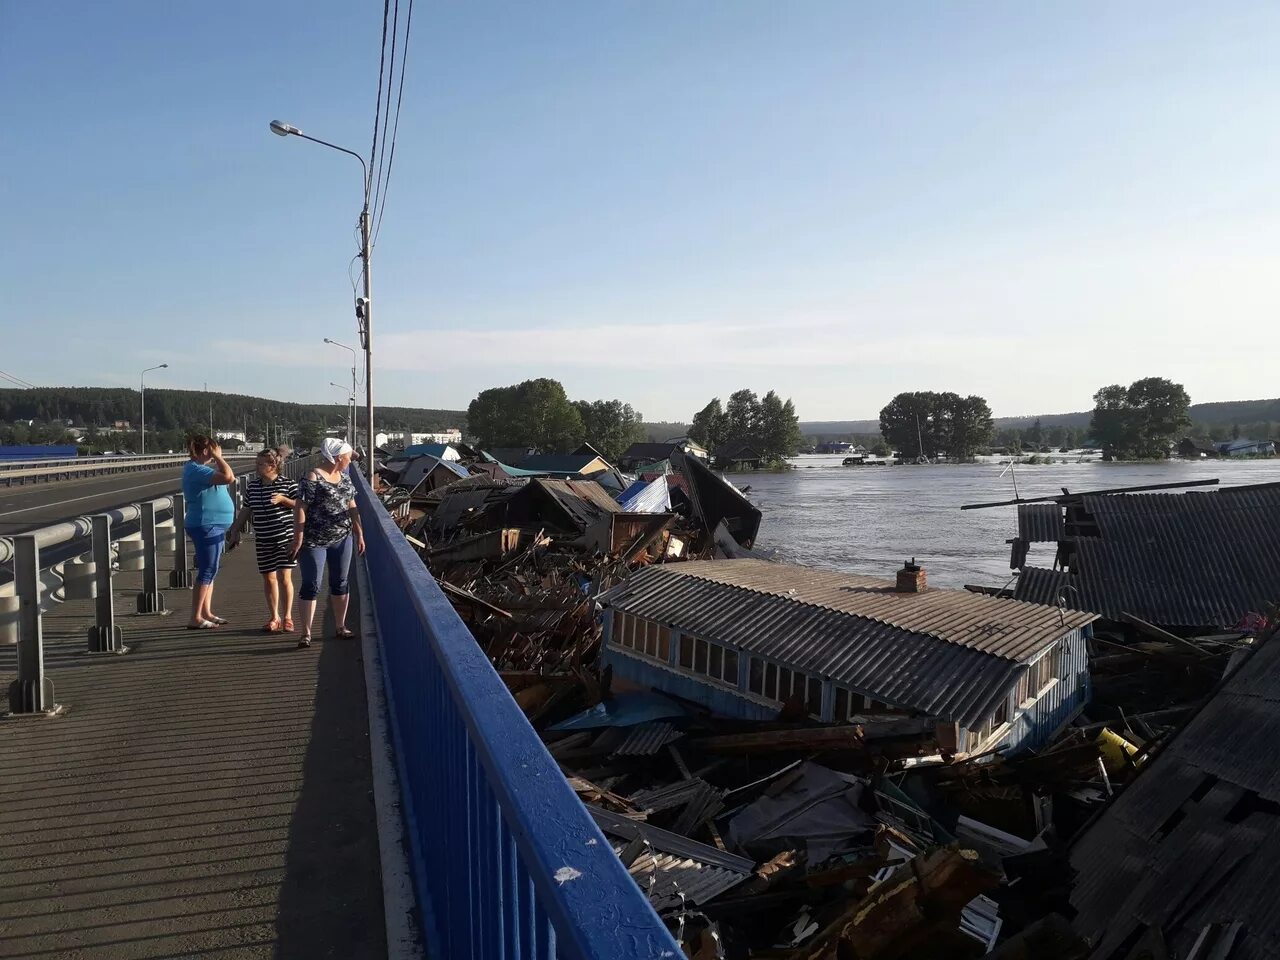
column 207, row 794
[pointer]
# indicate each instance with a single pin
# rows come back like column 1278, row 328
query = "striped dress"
column 272, row 523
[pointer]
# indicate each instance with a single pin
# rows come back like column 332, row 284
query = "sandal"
column 202, row 625
column 304, row 640
column 271, row 626
column 344, row 633
column 288, row 625
column 217, row 621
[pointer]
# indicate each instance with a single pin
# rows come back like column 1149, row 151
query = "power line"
column 17, row 381
column 386, row 114
column 395, row 126
column 377, row 109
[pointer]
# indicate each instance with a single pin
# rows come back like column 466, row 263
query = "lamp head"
column 164, row 366
column 282, row 129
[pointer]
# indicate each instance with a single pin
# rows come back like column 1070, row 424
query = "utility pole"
column 142, row 413
column 366, row 340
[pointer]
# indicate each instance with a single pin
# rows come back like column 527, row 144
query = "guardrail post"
column 150, row 600
column 180, row 575
column 104, row 635
column 32, row 692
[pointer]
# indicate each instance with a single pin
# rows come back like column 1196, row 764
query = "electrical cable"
column 386, row 113
column 17, row 381
column 395, row 126
column 377, row 109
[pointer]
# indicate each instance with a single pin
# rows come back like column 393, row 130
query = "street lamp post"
column 352, row 423
column 364, row 306
column 142, row 413
column 351, row 406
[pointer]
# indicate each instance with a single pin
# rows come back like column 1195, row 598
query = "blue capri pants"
column 311, row 561
column 208, row 543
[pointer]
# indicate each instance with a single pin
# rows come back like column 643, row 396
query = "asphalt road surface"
column 26, row 507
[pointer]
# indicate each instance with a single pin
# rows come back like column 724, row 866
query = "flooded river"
column 869, row 519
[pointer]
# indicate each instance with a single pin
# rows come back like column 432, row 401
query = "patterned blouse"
column 328, row 521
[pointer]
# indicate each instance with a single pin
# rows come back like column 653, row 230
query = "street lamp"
column 351, row 413
column 351, row 406
column 142, row 415
column 364, row 310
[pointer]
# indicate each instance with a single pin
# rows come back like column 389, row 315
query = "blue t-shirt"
column 207, row 505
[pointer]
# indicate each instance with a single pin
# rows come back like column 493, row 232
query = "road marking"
column 173, row 483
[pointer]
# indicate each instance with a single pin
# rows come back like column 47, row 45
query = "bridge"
column 224, row 794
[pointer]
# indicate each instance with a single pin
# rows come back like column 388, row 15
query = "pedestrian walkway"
column 207, row 794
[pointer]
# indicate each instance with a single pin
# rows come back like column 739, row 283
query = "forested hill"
column 180, row 409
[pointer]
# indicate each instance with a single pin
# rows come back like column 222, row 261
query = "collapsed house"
column 1191, row 561
column 746, row 637
column 1183, row 862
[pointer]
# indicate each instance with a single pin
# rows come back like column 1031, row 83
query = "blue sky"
column 657, row 201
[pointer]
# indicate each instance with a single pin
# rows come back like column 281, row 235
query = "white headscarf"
column 333, row 448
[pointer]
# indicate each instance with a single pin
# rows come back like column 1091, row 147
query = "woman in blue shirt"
column 209, row 513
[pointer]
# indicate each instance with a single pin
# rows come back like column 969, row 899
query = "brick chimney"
column 912, row 578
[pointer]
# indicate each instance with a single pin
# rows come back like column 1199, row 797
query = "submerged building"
column 745, row 636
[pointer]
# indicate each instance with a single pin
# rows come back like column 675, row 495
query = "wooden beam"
column 1151, row 630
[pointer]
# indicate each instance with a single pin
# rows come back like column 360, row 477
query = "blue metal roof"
column 642, row 497
column 428, row 449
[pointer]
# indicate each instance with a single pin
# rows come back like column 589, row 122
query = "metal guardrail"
column 22, row 471
column 507, row 862
column 21, row 602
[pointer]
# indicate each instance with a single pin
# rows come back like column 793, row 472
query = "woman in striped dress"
column 270, row 500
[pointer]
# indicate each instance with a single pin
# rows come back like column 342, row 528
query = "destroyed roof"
column 946, row 653
column 420, row 467
column 1039, row 522
column 1194, row 841
column 650, row 452
column 1196, row 559
column 653, row 496
column 584, row 501
column 570, row 463
column 443, row 451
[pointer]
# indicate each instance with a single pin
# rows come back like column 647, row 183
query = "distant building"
column 642, row 454
column 121, row 425
column 840, row 446
column 745, row 636
column 739, row 456
column 1247, row 448
column 224, row 434
column 1191, row 449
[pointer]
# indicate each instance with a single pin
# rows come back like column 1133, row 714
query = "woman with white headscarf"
column 326, row 526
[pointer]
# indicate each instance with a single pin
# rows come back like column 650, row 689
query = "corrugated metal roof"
column 1039, row 522
column 583, row 500
column 945, row 653
column 1195, row 839
column 1038, row 585
column 1195, row 559
column 646, row 739
column 571, row 463
column 664, row 877
column 651, row 497
column 994, row 625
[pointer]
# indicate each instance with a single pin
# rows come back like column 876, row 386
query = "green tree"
column 1035, row 434
column 308, row 435
column 708, row 425
column 536, row 413
column 1139, row 421
column 778, row 435
column 610, row 425
column 742, row 418
column 968, row 426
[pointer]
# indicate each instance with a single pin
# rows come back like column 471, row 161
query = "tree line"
column 178, row 409
column 539, row 414
column 768, row 425
column 928, row 425
column 1141, row 421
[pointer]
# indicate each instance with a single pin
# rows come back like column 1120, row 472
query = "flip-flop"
column 202, row 625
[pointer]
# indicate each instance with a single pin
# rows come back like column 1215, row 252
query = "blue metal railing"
column 507, row 862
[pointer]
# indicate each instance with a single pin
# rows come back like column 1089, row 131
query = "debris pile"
column 900, row 775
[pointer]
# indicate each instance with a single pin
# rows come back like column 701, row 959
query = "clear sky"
column 659, row 201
